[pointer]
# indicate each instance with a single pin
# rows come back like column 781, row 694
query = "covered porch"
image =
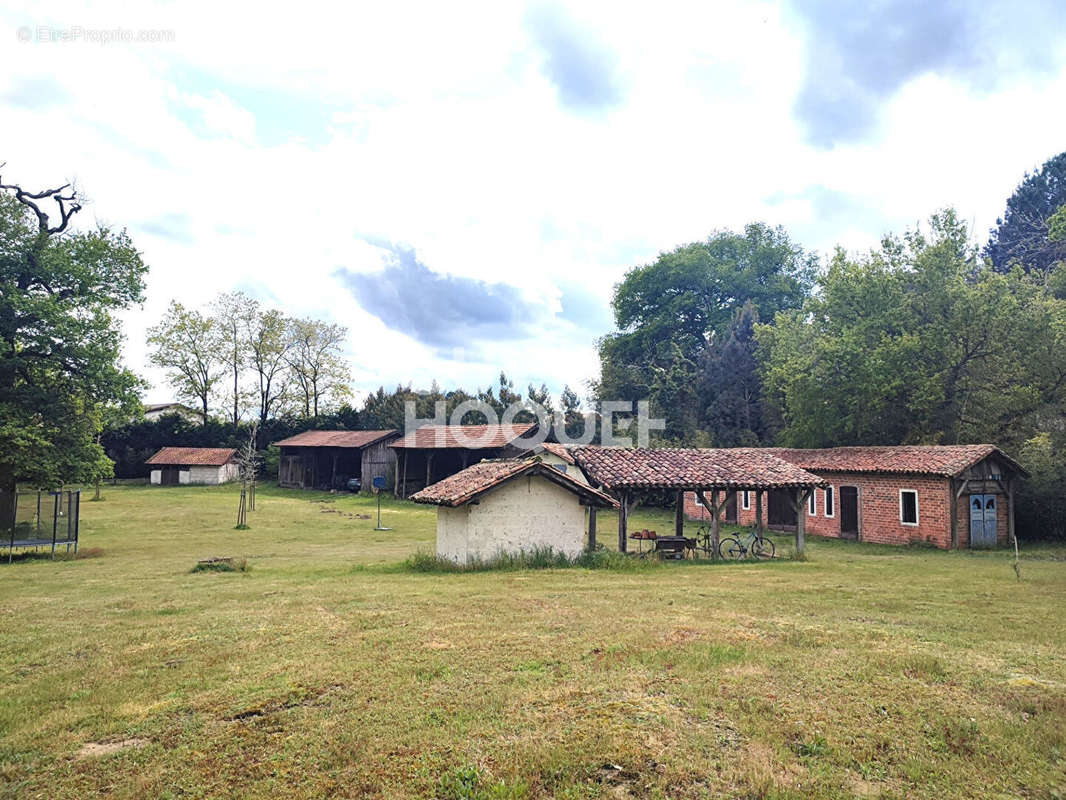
column 715, row 477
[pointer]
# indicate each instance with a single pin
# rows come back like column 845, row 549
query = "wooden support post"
column 715, row 511
column 760, row 526
column 403, row 476
column 332, row 477
column 592, row 529
column 1010, row 514
column 679, row 515
column 623, row 521
column 801, row 519
column 429, row 467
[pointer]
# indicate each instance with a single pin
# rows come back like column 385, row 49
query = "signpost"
column 379, row 484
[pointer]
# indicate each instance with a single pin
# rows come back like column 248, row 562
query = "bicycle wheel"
column 762, row 548
column 729, row 548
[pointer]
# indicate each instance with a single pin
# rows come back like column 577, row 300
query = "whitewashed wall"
column 155, row 476
column 210, row 475
column 525, row 513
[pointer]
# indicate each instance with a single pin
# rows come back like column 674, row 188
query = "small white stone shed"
column 172, row 466
column 508, row 506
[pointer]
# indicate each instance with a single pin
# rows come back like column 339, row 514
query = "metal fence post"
column 77, row 522
column 55, row 521
column 14, row 519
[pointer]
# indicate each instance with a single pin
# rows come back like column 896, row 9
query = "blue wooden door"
column 983, row 520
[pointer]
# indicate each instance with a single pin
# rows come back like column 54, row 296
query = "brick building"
column 949, row 496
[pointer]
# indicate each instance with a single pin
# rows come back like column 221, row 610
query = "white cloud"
column 264, row 152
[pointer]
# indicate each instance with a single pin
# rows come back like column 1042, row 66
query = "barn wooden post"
column 429, row 467
column 801, row 520
column 953, row 507
column 592, row 529
column 623, row 521
column 758, row 514
column 679, row 515
column 403, row 475
column 1010, row 513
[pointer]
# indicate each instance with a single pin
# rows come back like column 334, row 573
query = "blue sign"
column 379, row 482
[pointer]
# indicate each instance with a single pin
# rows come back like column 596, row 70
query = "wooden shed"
column 329, row 459
column 434, row 452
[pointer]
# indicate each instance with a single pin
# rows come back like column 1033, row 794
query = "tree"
column 60, row 345
column 732, row 387
column 917, row 343
column 1021, row 235
column 234, row 315
column 570, row 405
column 318, row 366
column 187, row 345
column 668, row 312
column 269, row 346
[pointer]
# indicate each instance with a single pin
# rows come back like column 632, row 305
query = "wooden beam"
column 623, row 521
column 679, row 515
column 592, row 529
column 801, row 519
column 715, row 523
column 1010, row 515
column 758, row 514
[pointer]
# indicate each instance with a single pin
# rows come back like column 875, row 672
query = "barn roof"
column 466, row 437
column 474, row 481
column 945, row 460
column 335, row 438
column 192, row 456
column 690, row 468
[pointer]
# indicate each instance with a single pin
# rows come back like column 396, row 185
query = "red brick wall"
column 879, row 510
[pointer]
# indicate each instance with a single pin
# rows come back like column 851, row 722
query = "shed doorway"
column 169, row 476
column 849, row 512
column 731, row 510
column 780, row 513
column 983, row 510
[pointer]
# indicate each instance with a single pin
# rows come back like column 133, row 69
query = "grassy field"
column 329, row 670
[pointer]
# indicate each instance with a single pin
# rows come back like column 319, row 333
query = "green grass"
column 334, row 667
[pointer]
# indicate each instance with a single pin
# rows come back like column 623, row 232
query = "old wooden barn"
column 329, row 459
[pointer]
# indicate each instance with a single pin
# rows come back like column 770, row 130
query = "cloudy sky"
column 462, row 184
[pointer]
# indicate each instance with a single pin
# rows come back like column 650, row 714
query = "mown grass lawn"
column 328, row 670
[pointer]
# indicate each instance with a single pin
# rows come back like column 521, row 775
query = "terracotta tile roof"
column 462, row 487
column 690, row 468
column 335, row 438
column 192, row 456
column 945, row 460
column 472, row 437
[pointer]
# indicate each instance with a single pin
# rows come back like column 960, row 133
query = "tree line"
column 246, row 359
column 744, row 338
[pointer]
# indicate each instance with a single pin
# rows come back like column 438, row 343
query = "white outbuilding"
column 510, row 506
column 173, row 466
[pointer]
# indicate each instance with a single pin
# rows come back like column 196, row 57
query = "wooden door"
column 731, row 510
column 983, row 509
column 169, row 476
column 849, row 512
column 780, row 513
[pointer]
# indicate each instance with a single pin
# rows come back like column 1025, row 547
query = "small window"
column 830, row 509
column 812, row 504
column 745, row 500
column 908, row 506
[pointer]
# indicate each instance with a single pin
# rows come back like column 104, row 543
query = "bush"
column 222, row 565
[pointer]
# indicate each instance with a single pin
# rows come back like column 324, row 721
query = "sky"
column 462, row 185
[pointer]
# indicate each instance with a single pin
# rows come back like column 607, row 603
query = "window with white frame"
column 908, row 506
column 745, row 500
column 829, row 506
column 812, row 504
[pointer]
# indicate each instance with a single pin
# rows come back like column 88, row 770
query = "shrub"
column 222, row 565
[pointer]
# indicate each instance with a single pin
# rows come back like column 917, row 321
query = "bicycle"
column 755, row 545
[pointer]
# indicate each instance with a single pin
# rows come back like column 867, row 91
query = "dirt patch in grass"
column 94, row 749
